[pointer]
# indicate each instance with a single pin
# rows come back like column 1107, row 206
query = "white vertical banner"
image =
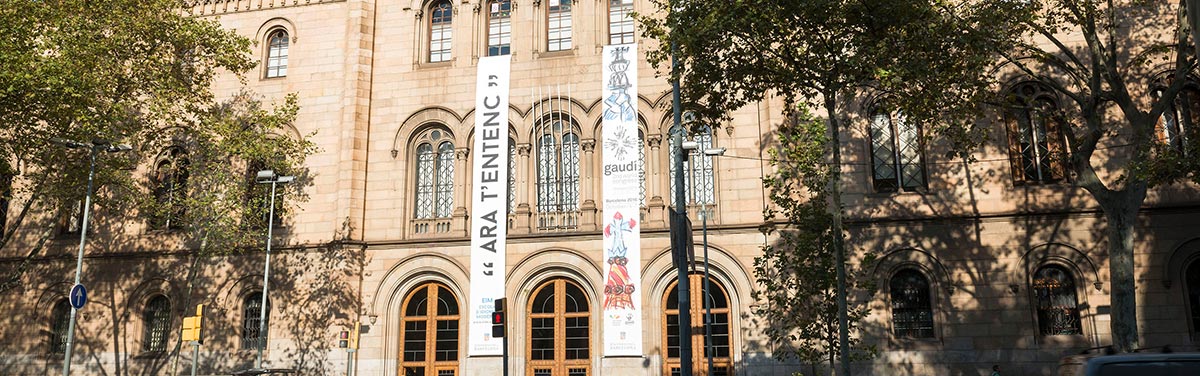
column 489, row 201
column 622, row 203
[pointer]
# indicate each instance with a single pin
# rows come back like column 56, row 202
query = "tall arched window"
column 429, row 332
column 252, row 336
column 435, row 175
column 896, row 153
column 499, row 27
column 6, row 177
column 170, row 187
column 440, row 35
column 718, row 300
column 558, row 172
column 277, row 53
column 60, row 322
column 620, row 21
column 560, row 334
column 512, row 175
column 1057, row 303
column 1191, row 280
column 1035, row 138
column 156, row 323
column 912, row 306
column 698, row 169
column 558, row 25
column 1180, row 118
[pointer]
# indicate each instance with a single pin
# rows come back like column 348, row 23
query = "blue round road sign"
column 78, row 296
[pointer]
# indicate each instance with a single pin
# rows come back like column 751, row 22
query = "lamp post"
column 708, row 353
column 95, row 146
column 267, row 177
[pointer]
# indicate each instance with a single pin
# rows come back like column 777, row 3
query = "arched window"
column 698, row 169
column 440, row 35
column 429, row 332
column 499, row 27
column 156, row 323
column 558, row 25
column 253, row 337
column 435, row 175
column 277, row 53
column 560, row 334
column 1191, row 280
column 718, row 300
column 60, row 322
column 1057, row 304
column 896, row 153
column 1180, row 118
column 620, row 21
column 912, row 307
column 1036, row 148
column 558, row 172
column 170, row 186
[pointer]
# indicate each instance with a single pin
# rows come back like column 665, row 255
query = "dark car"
column 1135, row 364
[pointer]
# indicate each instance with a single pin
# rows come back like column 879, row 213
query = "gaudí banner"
column 622, row 203
column 489, row 201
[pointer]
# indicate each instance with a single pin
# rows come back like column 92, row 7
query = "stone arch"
column 276, row 23
column 894, row 260
column 544, row 265
column 416, row 121
column 1065, row 255
column 660, row 272
column 405, row 275
column 1183, row 254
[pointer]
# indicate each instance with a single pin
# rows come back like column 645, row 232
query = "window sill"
column 276, row 78
column 556, row 54
column 437, row 65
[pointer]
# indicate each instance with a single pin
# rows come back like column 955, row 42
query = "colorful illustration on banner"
column 619, row 288
column 619, row 104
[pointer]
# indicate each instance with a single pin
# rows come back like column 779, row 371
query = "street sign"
column 78, row 296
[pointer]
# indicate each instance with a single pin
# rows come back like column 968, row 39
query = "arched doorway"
column 558, row 330
column 718, row 299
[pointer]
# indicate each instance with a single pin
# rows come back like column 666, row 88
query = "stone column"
column 458, row 220
column 587, row 191
column 655, row 206
column 522, row 210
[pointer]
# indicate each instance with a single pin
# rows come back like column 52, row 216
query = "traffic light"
column 344, row 339
column 192, row 326
column 498, row 319
column 199, row 333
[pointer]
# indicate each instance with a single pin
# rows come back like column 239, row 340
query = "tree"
column 821, row 53
column 1120, row 88
column 138, row 73
column 795, row 275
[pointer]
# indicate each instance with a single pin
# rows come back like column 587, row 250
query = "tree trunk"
column 835, row 209
column 1121, row 210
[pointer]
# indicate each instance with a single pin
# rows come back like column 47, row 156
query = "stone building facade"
column 975, row 268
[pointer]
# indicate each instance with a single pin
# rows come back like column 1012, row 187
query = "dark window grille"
column 1192, row 282
column 1057, row 305
column 1178, row 122
column 558, row 172
column 912, row 308
column 699, row 175
column 252, row 337
column 6, row 177
column 435, row 175
column 170, row 187
column 60, row 322
column 156, row 320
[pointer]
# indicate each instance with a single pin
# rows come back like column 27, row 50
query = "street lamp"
column 267, row 177
column 96, row 145
column 708, row 353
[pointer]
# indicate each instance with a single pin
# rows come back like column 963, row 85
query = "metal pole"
column 262, row 317
column 87, row 206
column 685, row 306
column 195, row 356
column 349, row 362
column 707, row 305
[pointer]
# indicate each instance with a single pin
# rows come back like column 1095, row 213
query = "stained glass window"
column 156, row 321
column 912, row 309
column 277, row 53
column 499, row 27
column 1056, row 301
column 440, row 34
column 896, row 153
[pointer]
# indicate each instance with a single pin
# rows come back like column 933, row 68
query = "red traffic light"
column 497, row 318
